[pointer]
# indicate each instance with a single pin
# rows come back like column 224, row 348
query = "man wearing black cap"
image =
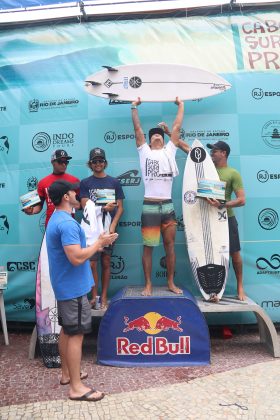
column 71, row 280
column 59, row 159
column 95, row 188
column 219, row 153
column 158, row 167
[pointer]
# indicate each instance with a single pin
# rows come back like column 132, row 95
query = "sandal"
column 86, row 396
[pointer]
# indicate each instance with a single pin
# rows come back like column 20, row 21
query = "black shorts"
column 74, row 315
column 234, row 242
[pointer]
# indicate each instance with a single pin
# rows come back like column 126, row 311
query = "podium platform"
column 267, row 331
column 164, row 329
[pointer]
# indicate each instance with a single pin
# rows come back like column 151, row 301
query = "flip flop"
column 83, row 375
column 86, row 396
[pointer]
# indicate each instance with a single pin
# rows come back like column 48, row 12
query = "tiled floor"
column 25, row 381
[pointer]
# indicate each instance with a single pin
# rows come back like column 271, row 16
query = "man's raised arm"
column 177, row 124
column 139, row 135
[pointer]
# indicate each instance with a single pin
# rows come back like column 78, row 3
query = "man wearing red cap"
column 60, row 160
column 219, row 153
column 158, row 167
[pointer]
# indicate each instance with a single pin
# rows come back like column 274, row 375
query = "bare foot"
column 66, row 380
column 175, row 289
column 241, row 294
column 147, row 290
column 92, row 302
column 214, row 298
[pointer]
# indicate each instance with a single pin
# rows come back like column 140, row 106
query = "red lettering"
column 160, row 345
column 122, row 344
column 271, row 57
column 271, row 26
column 254, row 57
column 246, row 31
column 134, row 349
column 147, row 348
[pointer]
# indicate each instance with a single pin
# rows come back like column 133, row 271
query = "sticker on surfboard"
column 46, row 312
column 155, row 82
column 206, row 227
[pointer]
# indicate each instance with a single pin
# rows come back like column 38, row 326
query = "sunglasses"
column 61, row 161
column 95, row 161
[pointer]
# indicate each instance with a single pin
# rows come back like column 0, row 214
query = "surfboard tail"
column 49, row 350
column 212, row 278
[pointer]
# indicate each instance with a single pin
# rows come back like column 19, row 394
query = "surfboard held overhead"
column 155, row 82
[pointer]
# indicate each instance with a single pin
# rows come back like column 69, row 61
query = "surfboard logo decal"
column 198, row 154
column 190, row 197
column 135, row 82
column 222, row 216
column 108, row 83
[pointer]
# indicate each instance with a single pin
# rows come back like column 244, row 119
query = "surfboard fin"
column 92, row 82
column 111, row 95
column 109, row 68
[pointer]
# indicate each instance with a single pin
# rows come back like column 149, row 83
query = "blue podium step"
column 159, row 330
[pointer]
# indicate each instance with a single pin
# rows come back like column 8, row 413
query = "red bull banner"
column 159, row 330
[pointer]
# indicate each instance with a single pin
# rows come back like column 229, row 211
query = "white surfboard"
column 46, row 312
column 154, row 82
column 206, row 227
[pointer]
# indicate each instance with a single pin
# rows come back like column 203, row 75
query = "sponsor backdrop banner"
column 43, row 106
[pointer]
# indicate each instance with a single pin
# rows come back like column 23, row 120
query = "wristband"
column 133, row 107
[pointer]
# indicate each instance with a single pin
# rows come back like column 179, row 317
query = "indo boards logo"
column 190, row 197
column 4, row 144
column 32, row 183
column 271, row 134
column 264, row 176
column 198, row 154
column 270, row 266
column 41, row 142
column 129, row 178
column 153, row 323
column 4, row 224
column 268, row 219
column 258, row 93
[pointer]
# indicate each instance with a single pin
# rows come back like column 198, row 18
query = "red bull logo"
column 152, row 323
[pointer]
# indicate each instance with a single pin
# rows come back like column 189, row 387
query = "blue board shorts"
column 156, row 217
column 74, row 315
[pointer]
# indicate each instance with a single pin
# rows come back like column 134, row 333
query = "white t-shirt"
column 157, row 184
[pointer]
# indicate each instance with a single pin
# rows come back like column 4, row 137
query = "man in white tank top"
column 158, row 167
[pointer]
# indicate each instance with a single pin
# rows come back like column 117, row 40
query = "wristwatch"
column 221, row 206
column 133, row 107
